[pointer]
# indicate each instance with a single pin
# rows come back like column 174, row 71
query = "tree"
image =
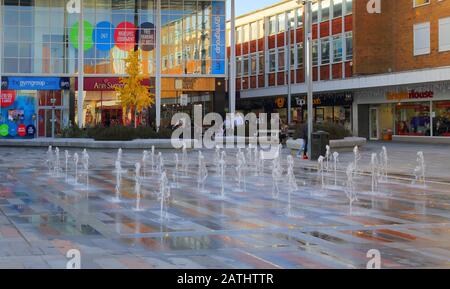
column 134, row 96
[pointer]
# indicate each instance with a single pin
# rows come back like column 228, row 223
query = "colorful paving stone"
column 43, row 216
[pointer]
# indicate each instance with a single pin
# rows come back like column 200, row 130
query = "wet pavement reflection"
column 42, row 216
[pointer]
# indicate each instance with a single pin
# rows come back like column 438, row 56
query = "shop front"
column 185, row 94
column 328, row 108
column 34, row 106
column 101, row 103
column 102, row 106
column 419, row 111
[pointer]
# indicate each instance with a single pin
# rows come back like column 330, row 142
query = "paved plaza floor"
column 43, row 215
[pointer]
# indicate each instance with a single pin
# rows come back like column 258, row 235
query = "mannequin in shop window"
column 89, row 118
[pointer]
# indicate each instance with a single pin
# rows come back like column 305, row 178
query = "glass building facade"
column 40, row 41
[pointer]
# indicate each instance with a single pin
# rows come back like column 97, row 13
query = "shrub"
column 116, row 133
column 335, row 130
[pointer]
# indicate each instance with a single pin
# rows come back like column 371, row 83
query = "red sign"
column 7, row 98
column 105, row 83
column 125, row 36
column 22, row 130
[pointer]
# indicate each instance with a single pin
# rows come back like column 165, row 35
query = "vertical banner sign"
column 218, row 38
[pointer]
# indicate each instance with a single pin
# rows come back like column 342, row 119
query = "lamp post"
column 232, row 71
column 80, row 64
column 158, row 65
column 308, row 68
column 1, row 56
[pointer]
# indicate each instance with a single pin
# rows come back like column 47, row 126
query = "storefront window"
column 441, row 120
column 325, row 47
column 413, row 119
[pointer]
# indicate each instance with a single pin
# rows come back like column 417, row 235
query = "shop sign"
column 88, row 28
column 7, row 98
column 37, row 83
column 105, row 84
column 31, row 130
column 4, row 130
column 218, row 38
column 125, row 36
column 146, row 36
column 22, row 130
column 325, row 100
column 12, row 129
column 103, row 36
column 280, row 102
column 405, row 95
column 184, row 100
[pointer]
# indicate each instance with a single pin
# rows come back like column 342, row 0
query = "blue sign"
column 36, row 83
column 218, row 38
column 104, row 36
column 12, row 129
column 31, row 130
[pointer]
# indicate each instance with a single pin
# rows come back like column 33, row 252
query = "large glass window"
column 348, row 7
column 315, row 52
column 272, row 25
column 261, row 64
column 291, row 15
column 337, row 49
column 441, row 120
column 239, row 66
column 272, row 60
column 299, row 17
column 315, row 12
column 325, row 10
column 245, row 32
column 337, row 8
column 245, row 65
column 281, row 59
column 325, row 49
column 300, row 54
column 281, row 22
column 349, row 46
column 46, row 36
column 253, row 64
column 254, row 31
column 413, row 118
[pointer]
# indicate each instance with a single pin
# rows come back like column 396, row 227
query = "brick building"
column 378, row 74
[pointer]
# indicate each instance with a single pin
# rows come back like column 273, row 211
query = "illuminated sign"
column 404, row 95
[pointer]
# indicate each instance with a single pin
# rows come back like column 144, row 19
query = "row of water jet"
column 350, row 190
column 202, row 175
column 54, row 165
column 240, row 169
column 419, row 171
column 292, row 182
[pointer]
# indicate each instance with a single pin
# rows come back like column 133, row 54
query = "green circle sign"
column 4, row 130
column 88, row 34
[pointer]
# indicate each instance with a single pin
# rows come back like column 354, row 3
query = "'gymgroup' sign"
column 35, row 83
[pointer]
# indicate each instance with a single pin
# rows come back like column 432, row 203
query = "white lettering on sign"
column 374, row 6
column 74, row 7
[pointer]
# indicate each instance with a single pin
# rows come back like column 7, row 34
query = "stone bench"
column 347, row 143
column 92, row 144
